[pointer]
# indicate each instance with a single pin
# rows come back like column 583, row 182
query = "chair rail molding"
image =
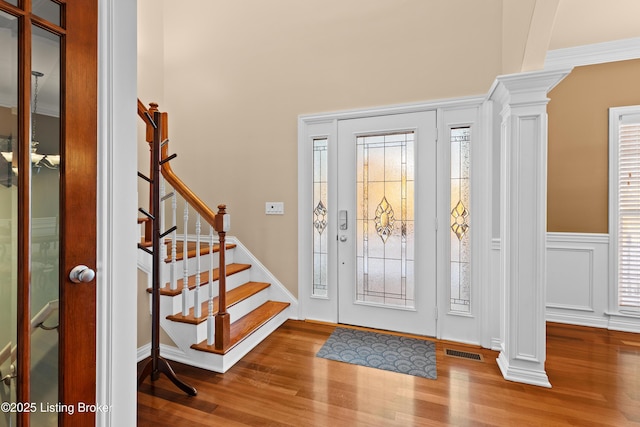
column 521, row 101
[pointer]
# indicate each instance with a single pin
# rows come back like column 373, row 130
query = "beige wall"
column 581, row 22
column 236, row 75
column 578, row 172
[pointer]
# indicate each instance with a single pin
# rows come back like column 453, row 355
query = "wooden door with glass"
column 48, row 145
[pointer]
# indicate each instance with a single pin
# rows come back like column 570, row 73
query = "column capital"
column 524, row 89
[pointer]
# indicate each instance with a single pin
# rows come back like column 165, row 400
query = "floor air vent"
column 463, row 354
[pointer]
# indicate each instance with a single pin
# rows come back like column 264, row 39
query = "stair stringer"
column 260, row 273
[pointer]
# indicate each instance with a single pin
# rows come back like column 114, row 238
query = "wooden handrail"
column 142, row 110
column 36, row 322
column 207, row 214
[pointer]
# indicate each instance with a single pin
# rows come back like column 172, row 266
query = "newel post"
column 148, row 231
column 222, row 322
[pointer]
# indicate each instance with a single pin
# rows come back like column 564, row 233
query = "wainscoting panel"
column 570, row 278
column 577, row 278
column 577, row 285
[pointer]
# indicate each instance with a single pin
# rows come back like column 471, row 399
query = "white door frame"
column 325, row 125
column 116, row 385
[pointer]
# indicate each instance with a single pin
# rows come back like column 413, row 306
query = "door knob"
column 82, row 274
column 343, row 238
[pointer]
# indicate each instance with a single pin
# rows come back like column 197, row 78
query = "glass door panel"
column 384, row 219
column 320, row 203
column 47, row 9
column 8, row 213
column 45, row 220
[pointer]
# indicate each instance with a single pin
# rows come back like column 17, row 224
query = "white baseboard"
column 576, row 319
column 624, row 323
column 143, row 352
column 520, row 374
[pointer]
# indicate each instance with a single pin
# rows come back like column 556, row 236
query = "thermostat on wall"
column 274, row 208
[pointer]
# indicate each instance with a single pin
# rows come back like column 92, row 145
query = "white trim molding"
column 116, row 222
column 620, row 317
column 464, row 111
column 598, row 53
column 522, row 101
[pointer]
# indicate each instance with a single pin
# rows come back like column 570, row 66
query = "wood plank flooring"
column 595, row 376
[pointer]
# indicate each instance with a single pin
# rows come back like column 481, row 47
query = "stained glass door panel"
column 386, row 256
column 385, row 219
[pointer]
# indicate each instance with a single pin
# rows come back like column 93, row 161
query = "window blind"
column 629, row 211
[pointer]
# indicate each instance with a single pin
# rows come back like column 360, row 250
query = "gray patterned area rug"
column 409, row 356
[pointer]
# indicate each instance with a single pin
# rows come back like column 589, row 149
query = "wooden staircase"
column 256, row 306
column 255, row 302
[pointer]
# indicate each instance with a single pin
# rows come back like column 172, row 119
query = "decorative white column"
column 522, row 104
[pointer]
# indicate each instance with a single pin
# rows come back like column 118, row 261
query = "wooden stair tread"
column 146, row 243
column 234, row 296
column 192, row 251
column 204, row 279
column 246, row 325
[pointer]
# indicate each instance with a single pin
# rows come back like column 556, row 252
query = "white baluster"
column 163, row 246
column 174, row 242
column 185, row 262
column 210, row 321
column 197, row 307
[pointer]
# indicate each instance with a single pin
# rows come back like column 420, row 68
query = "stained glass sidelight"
column 385, row 219
column 460, row 195
column 320, row 217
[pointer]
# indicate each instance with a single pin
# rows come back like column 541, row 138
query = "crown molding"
column 598, row 53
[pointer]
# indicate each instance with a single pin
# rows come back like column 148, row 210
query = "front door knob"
column 82, row 274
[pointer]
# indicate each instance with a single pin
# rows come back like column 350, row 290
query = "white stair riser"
column 204, row 265
column 145, row 261
column 233, row 281
column 236, row 311
column 218, row 363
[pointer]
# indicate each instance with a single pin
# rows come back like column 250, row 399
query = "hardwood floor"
column 595, row 376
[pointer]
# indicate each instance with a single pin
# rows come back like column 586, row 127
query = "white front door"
column 386, row 222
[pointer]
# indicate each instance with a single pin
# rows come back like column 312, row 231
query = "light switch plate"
column 274, row 208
